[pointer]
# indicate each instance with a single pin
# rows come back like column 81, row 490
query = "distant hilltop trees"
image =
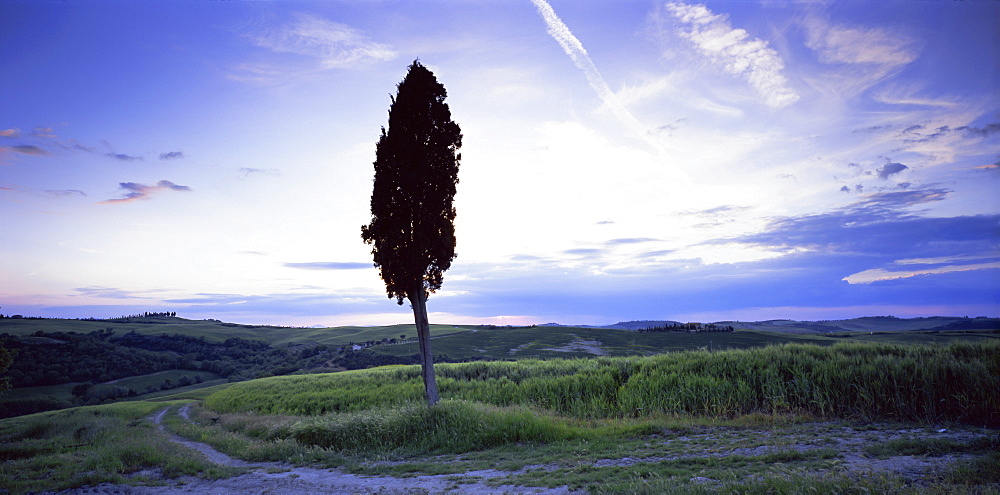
column 147, row 314
column 687, row 328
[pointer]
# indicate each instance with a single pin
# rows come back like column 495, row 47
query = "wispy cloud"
column 735, row 51
column 332, row 44
column 583, row 251
column 109, row 292
column 629, row 240
column 64, row 193
column 43, row 132
column 879, row 51
column 841, row 44
column 578, row 54
column 10, row 132
column 881, row 275
column 906, row 94
column 124, row 157
column 138, row 191
column 27, row 149
column 329, row 265
column 246, row 172
column 172, row 155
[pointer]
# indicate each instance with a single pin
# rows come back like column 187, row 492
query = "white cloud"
column 879, row 274
column 908, row 95
column 576, row 52
column 736, row 52
column 574, row 48
column 333, row 44
column 631, row 95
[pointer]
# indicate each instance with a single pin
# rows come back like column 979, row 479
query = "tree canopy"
column 416, row 172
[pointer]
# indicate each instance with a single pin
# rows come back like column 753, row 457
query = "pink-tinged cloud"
column 138, row 191
column 9, row 132
column 44, row 132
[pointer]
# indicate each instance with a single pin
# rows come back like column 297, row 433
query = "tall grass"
column 959, row 382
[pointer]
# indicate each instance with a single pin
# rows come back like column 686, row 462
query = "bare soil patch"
column 580, row 345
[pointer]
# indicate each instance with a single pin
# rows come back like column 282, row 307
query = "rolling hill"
column 53, row 356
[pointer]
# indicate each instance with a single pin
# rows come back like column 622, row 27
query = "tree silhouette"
column 412, row 228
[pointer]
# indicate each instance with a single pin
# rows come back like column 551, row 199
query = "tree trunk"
column 418, row 300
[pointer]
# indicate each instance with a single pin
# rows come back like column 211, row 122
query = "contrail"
column 572, row 46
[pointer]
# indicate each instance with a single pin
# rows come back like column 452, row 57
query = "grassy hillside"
column 217, row 331
column 566, row 342
column 920, row 337
column 546, row 336
column 52, row 354
column 872, row 324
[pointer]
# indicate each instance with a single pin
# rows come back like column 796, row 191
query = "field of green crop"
column 958, row 382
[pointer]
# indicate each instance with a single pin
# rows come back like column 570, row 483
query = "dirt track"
column 285, row 479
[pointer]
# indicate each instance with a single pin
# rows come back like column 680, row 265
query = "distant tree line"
column 54, row 358
column 89, row 393
column 102, row 355
column 687, row 328
column 147, row 314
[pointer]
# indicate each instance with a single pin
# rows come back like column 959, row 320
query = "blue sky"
column 621, row 160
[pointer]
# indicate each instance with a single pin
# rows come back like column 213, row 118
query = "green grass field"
column 570, row 414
